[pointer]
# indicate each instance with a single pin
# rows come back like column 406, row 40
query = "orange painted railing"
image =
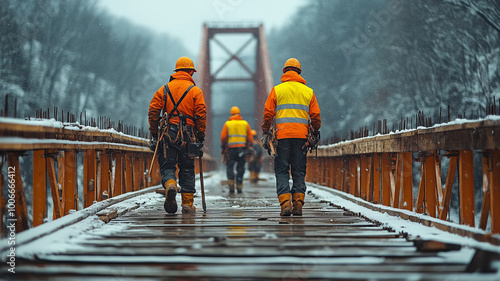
column 380, row 170
column 113, row 163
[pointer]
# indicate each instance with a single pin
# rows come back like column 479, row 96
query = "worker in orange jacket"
column 236, row 140
column 184, row 124
column 294, row 108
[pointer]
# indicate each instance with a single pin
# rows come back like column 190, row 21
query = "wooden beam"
column 69, row 179
column 386, row 179
column 397, row 182
column 485, row 210
column 495, row 191
column 420, row 207
column 104, row 192
column 89, row 177
column 452, row 167
column 15, row 178
column 56, row 199
column 407, row 181
column 466, row 168
column 364, row 180
column 39, row 187
column 376, row 178
column 129, row 171
column 430, row 184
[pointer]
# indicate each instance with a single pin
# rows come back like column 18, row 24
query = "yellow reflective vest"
column 292, row 107
column 237, row 132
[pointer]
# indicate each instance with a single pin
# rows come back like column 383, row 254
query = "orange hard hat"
column 292, row 63
column 184, row 63
column 235, row 110
column 254, row 133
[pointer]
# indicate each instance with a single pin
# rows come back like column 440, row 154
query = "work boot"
column 256, row 177
column 230, row 183
column 298, row 202
column 286, row 204
column 187, row 203
column 170, row 204
column 252, row 176
column 239, row 187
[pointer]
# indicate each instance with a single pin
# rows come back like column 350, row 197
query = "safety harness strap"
column 175, row 104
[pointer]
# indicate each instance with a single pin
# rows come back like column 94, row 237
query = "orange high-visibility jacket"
column 236, row 133
column 192, row 105
column 292, row 104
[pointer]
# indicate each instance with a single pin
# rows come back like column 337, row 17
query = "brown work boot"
column 298, row 202
column 170, row 204
column 252, row 176
column 187, row 203
column 286, row 204
column 239, row 187
column 230, row 183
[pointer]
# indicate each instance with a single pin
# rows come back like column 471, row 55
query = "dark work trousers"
column 236, row 156
column 290, row 155
column 176, row 156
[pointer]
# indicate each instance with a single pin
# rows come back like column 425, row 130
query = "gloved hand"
column 316, row 137
column 201, row 137
column 153, row 142
column 265, row 140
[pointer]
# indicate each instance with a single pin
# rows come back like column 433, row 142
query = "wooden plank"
column 104, row 176
column 70, row 197
column 14, row 178
column 397, row 182
column 376, row 177
column 452, row 167
column 364, row 176
column 39, row 187
column 430, row 184
column 420, row 208
column 466, row 176
column 407, row 181
column 485, row 210
column 56, row 200
column 386, row 179
column 89, row 177
column 128, row 172
column 118, row 177
column 495, row 191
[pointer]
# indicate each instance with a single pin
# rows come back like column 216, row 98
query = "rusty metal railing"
column 380, row 169
column 113, row 163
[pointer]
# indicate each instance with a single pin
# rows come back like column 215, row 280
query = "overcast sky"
column 184, row 19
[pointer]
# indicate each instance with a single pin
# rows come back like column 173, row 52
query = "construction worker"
column 255, row 159
column 184, row 123
column 294, row 109
column 236, row 139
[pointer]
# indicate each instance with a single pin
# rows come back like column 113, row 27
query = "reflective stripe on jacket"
column 236, row 132
column 292, row 104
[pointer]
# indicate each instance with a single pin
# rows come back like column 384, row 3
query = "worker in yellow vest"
column 236, row 140
column 294, row 108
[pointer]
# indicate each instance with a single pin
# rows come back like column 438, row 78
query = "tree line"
column 76, row 56
column 386, row 59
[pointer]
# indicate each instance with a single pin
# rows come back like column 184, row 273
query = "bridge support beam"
column 494, row 177
column 466, row 167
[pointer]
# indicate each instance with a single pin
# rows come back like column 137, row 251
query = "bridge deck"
column 241, row 237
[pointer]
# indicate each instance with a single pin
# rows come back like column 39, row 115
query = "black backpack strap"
column 176, row 104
